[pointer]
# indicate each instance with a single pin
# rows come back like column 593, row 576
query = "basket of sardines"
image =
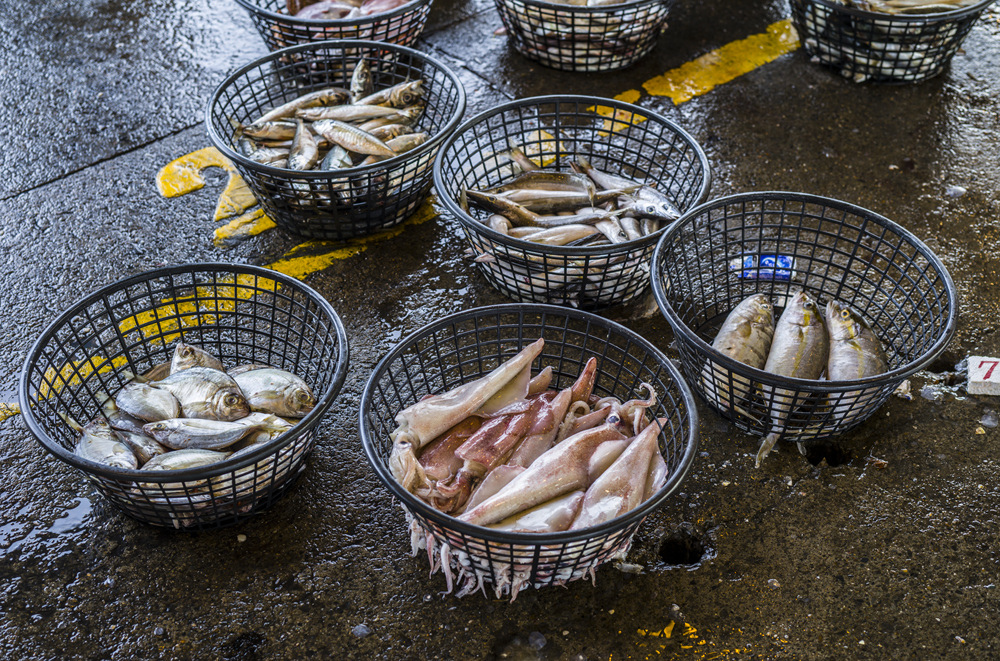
column 562, row 198
column 584, row 35
column 283, row 23
column 901, row 41
column 526, row 443
column 190, row 395
column 796, row 316
column 336, row 139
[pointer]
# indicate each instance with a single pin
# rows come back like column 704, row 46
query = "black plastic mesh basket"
column 580, row 38
column 241, row 314
column 723, row 251
column 870, row 46
column 279, row 29
column 617, row 137
column 467, row 345
column 336, row 204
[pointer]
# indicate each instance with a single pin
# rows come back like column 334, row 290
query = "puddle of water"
column 16, row 535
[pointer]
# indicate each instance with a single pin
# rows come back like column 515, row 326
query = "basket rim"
column 902, row 18
column 603, row 9
column 227, row 465
column 898, row 374
column 451, row 523
column 342, row 44
column 332, row 22
column 476, row 226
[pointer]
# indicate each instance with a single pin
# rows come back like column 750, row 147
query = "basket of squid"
column 584, row 35
column 336, row 139
column 797, row 316
column 900, row 41
column 526, row 443
column 189, row 396
column 283, row 23
column 562, row 198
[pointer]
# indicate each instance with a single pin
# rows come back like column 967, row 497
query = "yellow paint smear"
column 74, row 373
column 8, row 411
column 298, row 266
column 537, row 142
column 617, row 119
column 723, row 64
column 249, row 224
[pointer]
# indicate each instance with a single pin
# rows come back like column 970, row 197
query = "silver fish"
column 646, row 201
column 745, row 336
column 101, row 444
column 397, row 96
column 279, row 130
column 855, row 353
column 330, row 96
column 276, row 392
column 352, row 138
column 351, row 113
column 147, row 402
column 143, row 447
column 799, row 350
column 361, row 81
column 179, row 460
column 206, row 393
column 187, row 356
column 304, row 153
column 196, row 433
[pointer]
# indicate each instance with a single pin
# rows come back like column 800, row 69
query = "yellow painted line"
column 296, row 265
column 8, row 410
column 242, row 227
column 720, row 66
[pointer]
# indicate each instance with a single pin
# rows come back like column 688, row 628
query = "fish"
column 548, row 180
column 142, row 446
column 146, row 402
column 270, row 130
column 337, row 158
column 304, row 153
column 400, row 145
column 855, row 353
column 361, row 81
column 99, row 443
column 800, row 349
column 179, row 460
column 745, row 336
column 206, row 393
column 328, row 96
column 351, row 113
column 645, row 201
column 201, row 434
column 352, row 138
column 188, row 355
column 277, row 392
column 398, row 96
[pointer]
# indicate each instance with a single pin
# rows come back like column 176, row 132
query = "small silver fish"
column 855, row 353
column 361, row 81
column 352, row 138
column 147, row 403
column 182, row 433
column 397, row 96
column 745, row 336
column 206, row 393
column 187, row 356
column 799, row 350
column 143, row 447
column 330, row 96
column 276, row 392
column 101, row 444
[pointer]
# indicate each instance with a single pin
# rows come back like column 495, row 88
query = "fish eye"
column 302, row 395
column 845, row 314
column 232, row 399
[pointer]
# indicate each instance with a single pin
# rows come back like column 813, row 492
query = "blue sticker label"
column 764, row 267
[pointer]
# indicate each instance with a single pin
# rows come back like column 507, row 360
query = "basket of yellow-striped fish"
column 189, row 396
column 584, row 35
column 283, row 23
column 863, row 305
column 562, row 198
column 901, row 41
column 526, row 443
column 336, row 139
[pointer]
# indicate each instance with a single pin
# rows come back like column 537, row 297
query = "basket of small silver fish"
column 526, row 443
column 796, row 316
column 283, row 23
column 584, row 35
column 336, row 139
column 901, row 41
column 189, row 396
column 562, row 198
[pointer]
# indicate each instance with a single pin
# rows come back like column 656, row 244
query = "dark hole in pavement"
column 682, row 547
column 243, row 647
column 834, row 454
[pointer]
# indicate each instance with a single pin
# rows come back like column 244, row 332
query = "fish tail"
column 766, row 447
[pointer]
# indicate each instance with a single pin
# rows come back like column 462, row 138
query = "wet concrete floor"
column 880, row 544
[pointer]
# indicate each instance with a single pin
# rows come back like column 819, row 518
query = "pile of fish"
column 333, row 129
column 582, row 208
column 585, row 40
column 327, row 10
column 508, row 453
column 881, row 49
column 802, row 346
column 192, row 413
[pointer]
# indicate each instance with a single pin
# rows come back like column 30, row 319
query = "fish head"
column 407, row 94
column 299, row 401
column 760, row 310
column 804, row 310
column 843, row 322
column 229, row 404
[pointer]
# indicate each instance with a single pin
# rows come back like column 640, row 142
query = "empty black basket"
column 722, row 252
column 241, row 314
column 872, row 46
column 468, row 345
column 336, row 204
column 279, row 29
column 581, row 38
column 618, row 137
